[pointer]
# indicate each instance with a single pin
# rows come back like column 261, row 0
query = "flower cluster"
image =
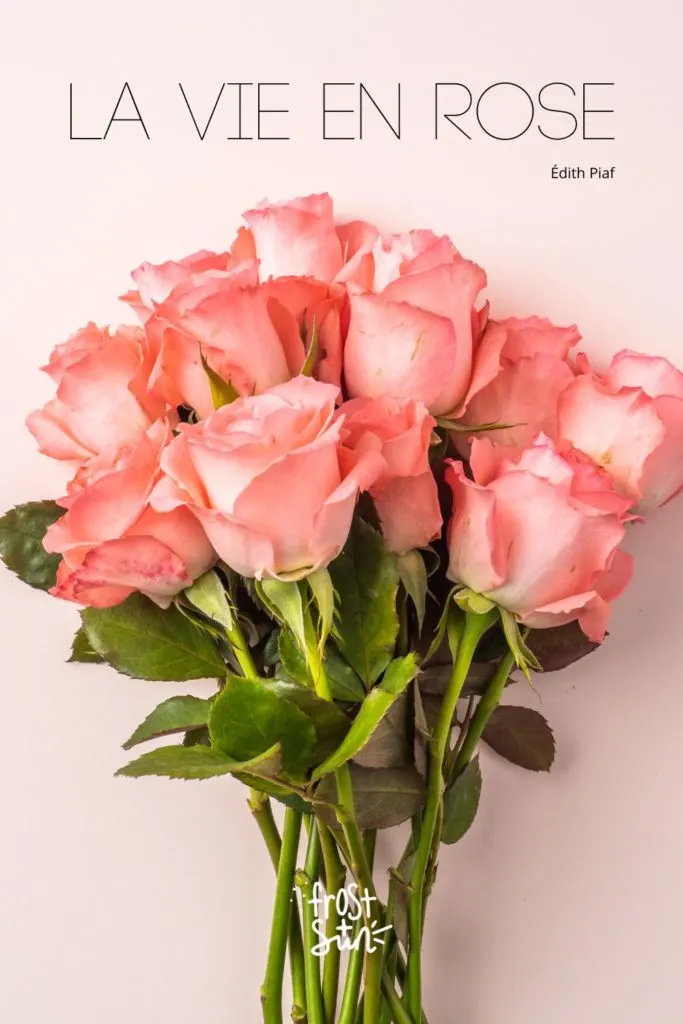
column 270, row 385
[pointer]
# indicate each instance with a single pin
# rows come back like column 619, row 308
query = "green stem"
column 362, row 872
column 487, row 705
column 390, row 960
column 354, row 969
column 260, row 807
column 474, row 628
column 399, row 1014
column 241, row 650
column 314, row 660
column 305, row 880
column 354, row 974
column 335, row 876
column 271, row 990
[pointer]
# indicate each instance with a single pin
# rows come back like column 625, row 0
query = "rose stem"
column 271, row 990
column 335, row 876
column 487, row 705
column 261, row 809
column 474, row 628
column 304, row 880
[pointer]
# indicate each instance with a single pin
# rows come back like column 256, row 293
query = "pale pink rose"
column 103, row 402
column 520, row 370
column 270, row 480
column 405, row 494
column 538, row 534
column 156, row 281
column 630, row 420
column 244, row 330
column 113, row 543
column 293, row 238
column 411, row 328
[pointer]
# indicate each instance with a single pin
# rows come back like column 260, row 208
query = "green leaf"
column 173, row 715
column 388, row 746
column 343, row 682
column 560, row 646
column 331, row 725
column 442, row 624
column 383, row 797
column 481, row 428
column 311, row 353
column 292, row 658
column 222, row 391
column 399, row 674
column 460, row 803
column 283, row 599
column 365, row 577
column 21, row 542
column 81, row 649
column 525, row 659
column 250, row 715
column 146, row 642
column 413, row 575
column 320, row 583
column 199, row 762
column 521, row 736
column 208, row 595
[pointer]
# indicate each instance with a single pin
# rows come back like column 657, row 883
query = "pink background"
column 142, row 901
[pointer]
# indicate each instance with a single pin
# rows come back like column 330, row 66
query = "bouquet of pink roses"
column 323, row 475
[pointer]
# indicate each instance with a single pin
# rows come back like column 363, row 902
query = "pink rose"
column 410, row 331
column 244, row 330
column 103, row 401
column 631, row 422
column 405, row 494
column 155, row 282
column 113, row 543
column 538, row 534
column 293, row 238
column 520, row 370
column 270, row 480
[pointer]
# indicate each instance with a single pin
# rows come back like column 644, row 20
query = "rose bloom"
column 270, row 480
column 538, row 533
column 405, row 494
column 155, row 282
column 411, row 301
column 103, row 402
column 296, row 237
column 250, row 334
column 630, row 420
column 113, row 543
column 520, row 370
